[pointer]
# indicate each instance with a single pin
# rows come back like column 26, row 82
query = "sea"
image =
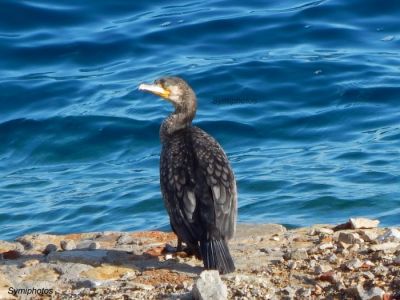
column 304, row 96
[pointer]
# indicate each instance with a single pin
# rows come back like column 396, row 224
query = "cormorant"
column 197, row 181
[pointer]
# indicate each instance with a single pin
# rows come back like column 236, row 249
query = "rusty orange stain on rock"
column 155, row 251
column 156, row 236
column 154, row 277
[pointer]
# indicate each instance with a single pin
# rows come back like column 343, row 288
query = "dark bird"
column 197, row 181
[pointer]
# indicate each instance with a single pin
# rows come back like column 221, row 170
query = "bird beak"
column 154, row 89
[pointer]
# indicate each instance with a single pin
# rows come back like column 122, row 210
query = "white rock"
column 326, row 246
column 373, row 294
column 368, row 235
column 325, row 231
column 319, row 269
column 390, row 235
column 354, row 264
column 67, row 245
column 358, row 223
column 209, row 287
column 385, row 246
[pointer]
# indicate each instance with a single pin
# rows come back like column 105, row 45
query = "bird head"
column 172, row 89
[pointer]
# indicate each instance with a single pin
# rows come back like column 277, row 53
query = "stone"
column 30, row 263
column 85, row 244
column 354, row 264
column 385, row 246
column 396, row 261
column 209, row 286
column 358, row 223
column 323, row 230
column 374, row 293
column 94, row 245
column 326, row 246
column 299, row 254
column 390, row 235
column 12, row 254
column 319, row 269
column 50, row 248
column 368, row 235
column 106, row 272
column 349, row 237
column 332, row 258
column 329, row 277
column 79, row 256
column 125, row 239
column 42, row 273
column 68, row 245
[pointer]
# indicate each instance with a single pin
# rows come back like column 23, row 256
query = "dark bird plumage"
column 197, row 181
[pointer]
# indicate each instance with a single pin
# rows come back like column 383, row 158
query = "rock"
column 326, row 246
column 385, row 246
column 323, row 230
column 390, row 235
column 106, row 272
column 68, row 245
column 125, row 239
column 349, row 238
column 50, row 248
column 209, row 287
column 396, row 261
column 368, row 235
column 358, row 223
column 332, row 258
column 288, row 293
column 94, row 245
column 299, row 254
column 329, row 277
column 12, row 254
column 319, row 269
column 303, row 293
column 79, row 256
column 30, row 263
column 354, row 264
column 85, row 244
column 374, row 293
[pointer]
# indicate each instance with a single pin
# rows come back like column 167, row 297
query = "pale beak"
column 154, row 89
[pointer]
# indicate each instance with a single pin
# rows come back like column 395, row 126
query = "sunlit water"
column 304, row 96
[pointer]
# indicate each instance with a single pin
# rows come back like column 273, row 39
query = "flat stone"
column 299, row 254
column 326, row 246
column 106, row 272
column 368, row 235
column 42, row 273
column 91, row 257
column 125, row 239
column 390, row 235
column 385, row 246
column 323, row 230
column 209, row 287
column 68, row 245
column 358, row 223
column 348, row 237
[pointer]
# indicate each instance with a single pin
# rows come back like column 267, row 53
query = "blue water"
column 303, row 95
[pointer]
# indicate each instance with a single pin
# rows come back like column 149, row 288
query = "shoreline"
column 272, row 262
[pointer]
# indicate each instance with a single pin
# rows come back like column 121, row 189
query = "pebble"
column 396, row 261
column 94, row 245
column 319, row 269
column 354, row 264
column 323, row 230
column 358, row 223
column 125, row 239
column 374, row 293
column 299, row 254
column 209, row 286
column 326, row 246
column 67, row 245
column 349, row 238
column 368, row 235
column 50, row 248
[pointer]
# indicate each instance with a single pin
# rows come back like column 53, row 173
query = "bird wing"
column 178, row 188
column 217, row 194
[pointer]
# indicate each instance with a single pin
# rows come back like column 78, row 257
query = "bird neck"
column 180, row 119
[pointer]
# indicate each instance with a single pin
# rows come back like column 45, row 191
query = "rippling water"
column 303, row 95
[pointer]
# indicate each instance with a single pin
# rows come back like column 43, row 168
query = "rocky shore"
column 355, row 260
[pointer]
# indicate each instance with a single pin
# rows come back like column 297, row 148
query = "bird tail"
column 216, row 256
